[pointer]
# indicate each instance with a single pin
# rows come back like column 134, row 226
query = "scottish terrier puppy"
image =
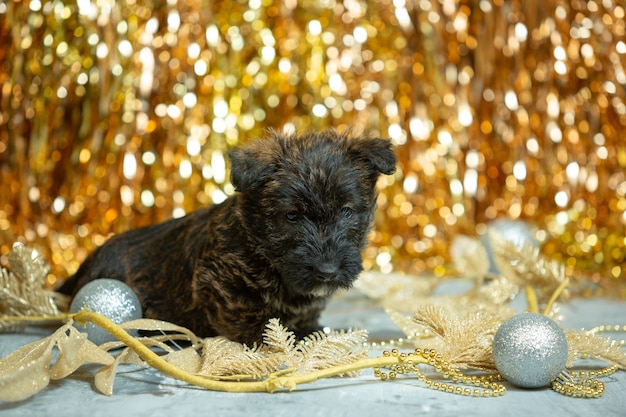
column 289, row 237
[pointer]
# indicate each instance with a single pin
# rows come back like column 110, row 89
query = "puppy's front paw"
column 307, row 331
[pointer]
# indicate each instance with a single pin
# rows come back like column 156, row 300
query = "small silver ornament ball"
column 530, row 350
column 109, row 297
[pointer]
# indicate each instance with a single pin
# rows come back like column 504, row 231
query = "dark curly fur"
column 289, row 237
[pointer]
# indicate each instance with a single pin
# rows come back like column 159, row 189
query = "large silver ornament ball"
column 518, row 232
column 109, row 297
column 530, row 350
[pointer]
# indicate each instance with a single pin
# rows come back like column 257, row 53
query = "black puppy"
column 289, row 237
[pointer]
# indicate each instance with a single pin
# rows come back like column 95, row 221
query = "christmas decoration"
column 111, row 298
column 29, row 369
column 530, row 350
column 118, row 115
column 516, row 232
column 22, row 288
column 462, row 340
column 281, row 350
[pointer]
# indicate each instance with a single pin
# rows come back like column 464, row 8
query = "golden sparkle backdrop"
column 117, row 114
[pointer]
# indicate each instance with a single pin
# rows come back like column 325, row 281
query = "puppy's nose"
column 327, row 270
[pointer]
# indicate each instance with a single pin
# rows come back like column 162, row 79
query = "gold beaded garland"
column 486, row 385
column 580, row 384
column 609, row 370
column 582, row 388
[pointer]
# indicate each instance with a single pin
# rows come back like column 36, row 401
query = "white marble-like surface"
column 146, row 392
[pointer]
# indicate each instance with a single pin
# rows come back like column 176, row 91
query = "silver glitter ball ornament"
column 530, row 350
column 109, row 297
column 518, row 232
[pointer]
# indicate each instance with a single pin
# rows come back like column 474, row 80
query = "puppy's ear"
column 252, row 165
column 377, row 152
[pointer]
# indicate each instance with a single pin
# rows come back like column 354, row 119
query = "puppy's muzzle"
column 327, row 271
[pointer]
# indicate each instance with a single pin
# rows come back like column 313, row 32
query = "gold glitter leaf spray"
column 22, row 288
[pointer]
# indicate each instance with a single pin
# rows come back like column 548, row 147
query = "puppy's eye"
column 347, row 211
column 292, row 216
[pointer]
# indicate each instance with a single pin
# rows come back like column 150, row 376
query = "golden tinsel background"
column 118, row 114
